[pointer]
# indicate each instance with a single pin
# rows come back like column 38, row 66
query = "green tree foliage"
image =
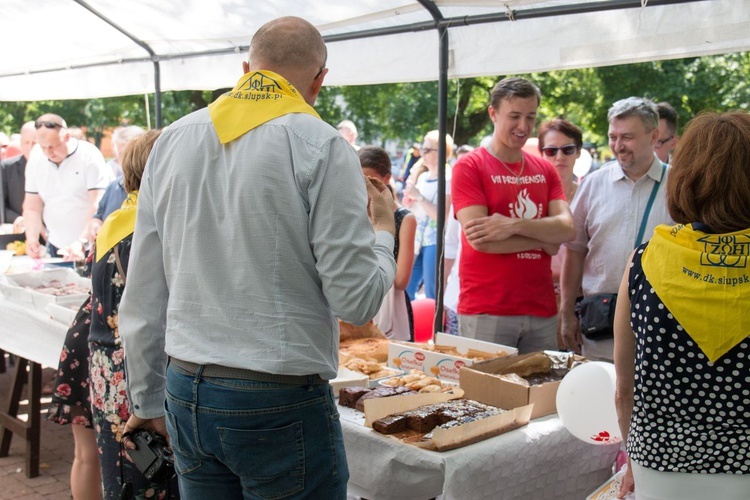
column 574, row 95
column 381, row 112
column 406, row 111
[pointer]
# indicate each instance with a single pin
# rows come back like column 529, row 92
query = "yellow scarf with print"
column 257, row 98
column 118, row 225
column 704, row 280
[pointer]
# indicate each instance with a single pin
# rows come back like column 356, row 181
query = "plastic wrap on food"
column 515, row 378
column 559, row 359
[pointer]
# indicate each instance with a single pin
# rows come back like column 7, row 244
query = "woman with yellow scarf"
column 682, row 350
column 109, row 402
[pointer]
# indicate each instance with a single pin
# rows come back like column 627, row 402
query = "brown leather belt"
column 218, row 371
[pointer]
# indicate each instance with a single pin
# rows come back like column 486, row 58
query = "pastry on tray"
column 372, row 349
column 416, row 380
column 425, row 419
column 353, row 397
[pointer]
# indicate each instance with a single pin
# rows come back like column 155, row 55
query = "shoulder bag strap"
column 651, row 199
column 119, row 264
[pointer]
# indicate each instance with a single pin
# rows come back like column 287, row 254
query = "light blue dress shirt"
column 245, row 254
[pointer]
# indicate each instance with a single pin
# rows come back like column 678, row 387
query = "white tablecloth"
column 30, row 334
column 539, row 461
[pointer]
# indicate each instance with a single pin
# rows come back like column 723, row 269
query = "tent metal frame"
column 439, row 23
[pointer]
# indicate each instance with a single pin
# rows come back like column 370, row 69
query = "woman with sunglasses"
column 421, row 197
column 560, row 142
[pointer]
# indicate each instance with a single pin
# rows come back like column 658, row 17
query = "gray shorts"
column 527, row 333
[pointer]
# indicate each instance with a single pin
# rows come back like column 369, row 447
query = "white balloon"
column 586, row 403
column 583, row 164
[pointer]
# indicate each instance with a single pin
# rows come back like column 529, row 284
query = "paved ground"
column 53, row 481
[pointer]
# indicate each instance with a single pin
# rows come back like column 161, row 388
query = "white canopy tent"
column 62, row 49
column 65, row 49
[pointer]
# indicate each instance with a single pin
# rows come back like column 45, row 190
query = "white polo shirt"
column 64, row 189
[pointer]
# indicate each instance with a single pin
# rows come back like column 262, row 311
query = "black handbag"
column 596, row 315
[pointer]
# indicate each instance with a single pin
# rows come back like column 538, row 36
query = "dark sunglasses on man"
column 568, row 150
column 46, row 124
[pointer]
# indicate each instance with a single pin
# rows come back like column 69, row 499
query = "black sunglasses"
column 40, row 124
column 568, row 150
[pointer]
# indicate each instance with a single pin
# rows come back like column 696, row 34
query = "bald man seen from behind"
column 245, row 250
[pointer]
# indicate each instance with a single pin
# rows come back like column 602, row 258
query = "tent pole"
column 154, row 58
column 442, row 153
column 157, row 94
column 148, row 111
column 442, row 29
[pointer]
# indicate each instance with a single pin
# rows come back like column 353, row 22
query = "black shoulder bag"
column 596, row 313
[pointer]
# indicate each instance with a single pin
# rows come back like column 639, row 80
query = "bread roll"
column 370, row 349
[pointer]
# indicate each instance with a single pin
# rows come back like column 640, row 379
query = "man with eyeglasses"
column 65, row 178
column 668, row 120
column 515, row 215
column 615, row 209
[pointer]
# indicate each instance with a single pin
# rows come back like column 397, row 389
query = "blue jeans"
column 423, row 269
column 254, row 440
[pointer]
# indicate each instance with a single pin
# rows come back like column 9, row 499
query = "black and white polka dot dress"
column 689, row 415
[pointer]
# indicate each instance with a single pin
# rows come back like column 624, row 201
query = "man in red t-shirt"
column 515, row 216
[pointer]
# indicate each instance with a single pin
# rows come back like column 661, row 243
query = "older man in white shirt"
column 615, row 209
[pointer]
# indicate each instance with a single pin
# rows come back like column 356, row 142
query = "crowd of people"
column 258, row 227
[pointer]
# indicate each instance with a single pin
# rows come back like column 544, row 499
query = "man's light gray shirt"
column 245, row 254
column 607, row 211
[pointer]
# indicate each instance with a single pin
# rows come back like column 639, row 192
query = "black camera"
column 152, row 456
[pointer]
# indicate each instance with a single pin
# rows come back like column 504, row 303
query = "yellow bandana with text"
column 704, row 280
column 258, row 97
column 117, row 226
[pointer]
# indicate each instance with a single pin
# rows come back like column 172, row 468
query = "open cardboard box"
column 409, row 356
column 482, row 383
column 14, row 288
column 455, row 437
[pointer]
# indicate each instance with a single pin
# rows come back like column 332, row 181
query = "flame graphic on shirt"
column 524, row 207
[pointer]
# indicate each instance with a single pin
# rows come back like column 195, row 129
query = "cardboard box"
column 610, row 489
column 481, row 382
column 455, row 437
column 409, row 356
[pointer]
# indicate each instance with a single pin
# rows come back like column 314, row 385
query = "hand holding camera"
column 147, row 444
column 151, row 455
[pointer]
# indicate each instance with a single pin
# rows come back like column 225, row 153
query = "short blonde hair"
column 434, row 136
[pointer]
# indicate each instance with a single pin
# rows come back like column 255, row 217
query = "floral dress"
column 70, row 397
column 110, row 405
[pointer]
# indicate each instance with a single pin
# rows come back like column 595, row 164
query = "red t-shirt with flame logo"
column 505, row 284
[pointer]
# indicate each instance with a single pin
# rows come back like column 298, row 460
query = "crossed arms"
column 500, row 234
